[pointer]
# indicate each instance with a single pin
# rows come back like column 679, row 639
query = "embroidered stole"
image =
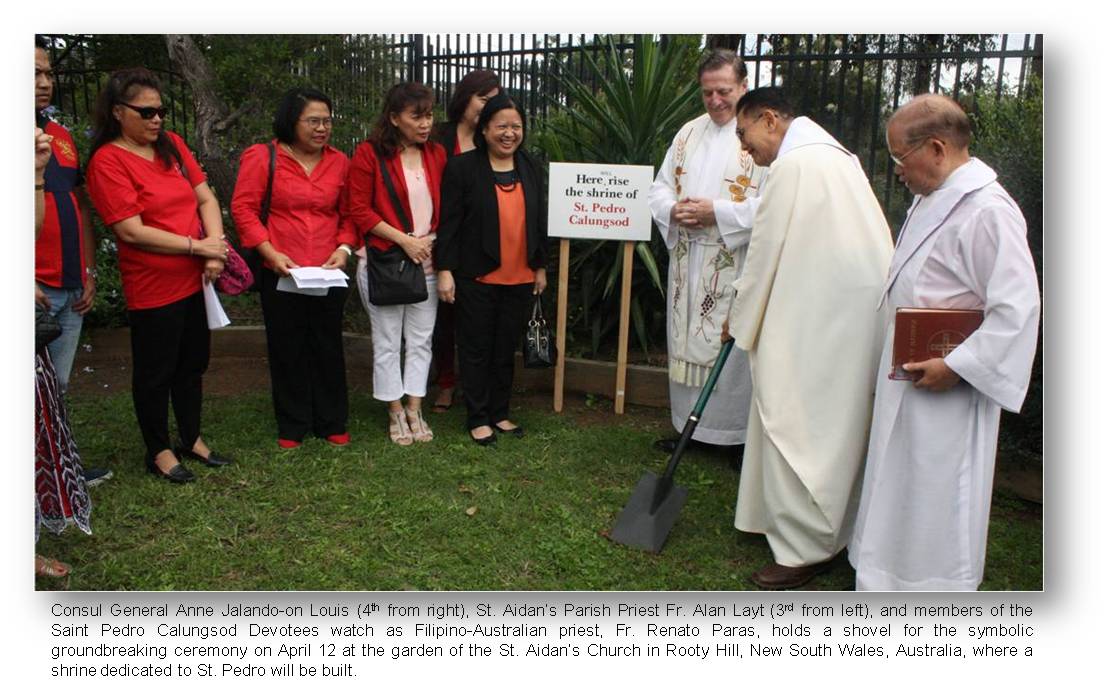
column 695, row 339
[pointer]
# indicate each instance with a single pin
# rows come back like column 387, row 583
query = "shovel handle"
column 717, row 367
column 698, row 409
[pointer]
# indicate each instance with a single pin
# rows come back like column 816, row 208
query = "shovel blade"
column 641, row 528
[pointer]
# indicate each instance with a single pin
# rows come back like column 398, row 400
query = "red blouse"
column 306, row 222
column 123, row 184
column 368, row 198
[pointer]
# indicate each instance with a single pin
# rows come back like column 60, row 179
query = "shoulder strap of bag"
column 180, row 161
column 392, row 191
column 264, row 214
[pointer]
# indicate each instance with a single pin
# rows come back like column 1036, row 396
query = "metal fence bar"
column 1001, row 67
column 893, row 105
column 859, row 104
column 808, row 65
column 841, row 96
column 875, row 121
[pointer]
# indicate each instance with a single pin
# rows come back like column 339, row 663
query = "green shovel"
column 654, row 506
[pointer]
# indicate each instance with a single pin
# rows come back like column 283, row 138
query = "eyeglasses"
column 317, row 122
column 740, row 132
column 148, row 112
column 899, row 161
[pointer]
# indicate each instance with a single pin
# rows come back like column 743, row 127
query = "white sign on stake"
column 598, row 201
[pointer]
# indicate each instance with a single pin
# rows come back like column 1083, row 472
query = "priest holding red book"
column 925, row 505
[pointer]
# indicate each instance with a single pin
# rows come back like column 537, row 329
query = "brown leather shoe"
column 776, row 576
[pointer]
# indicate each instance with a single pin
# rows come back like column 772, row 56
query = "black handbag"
column 539, row 341
column 391, row 276
column 47, row 327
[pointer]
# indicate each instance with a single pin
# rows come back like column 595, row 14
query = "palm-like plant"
column 630, row 118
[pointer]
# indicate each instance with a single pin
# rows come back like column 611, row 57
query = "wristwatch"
column 91, row 273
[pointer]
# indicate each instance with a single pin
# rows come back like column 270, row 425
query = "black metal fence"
column 524, row 62
column 849, row 83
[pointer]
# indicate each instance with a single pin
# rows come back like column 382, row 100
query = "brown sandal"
column 399, row 431
column 49, row 567
column 420, row 430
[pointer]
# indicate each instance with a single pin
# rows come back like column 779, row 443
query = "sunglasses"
column 148, row 112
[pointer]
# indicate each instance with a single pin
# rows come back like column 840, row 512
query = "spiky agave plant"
column 625, row 110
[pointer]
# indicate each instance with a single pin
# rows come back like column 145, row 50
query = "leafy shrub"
column 1008, row 136
column 641, row 102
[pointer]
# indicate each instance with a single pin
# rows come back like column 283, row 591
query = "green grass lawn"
column 528, row 514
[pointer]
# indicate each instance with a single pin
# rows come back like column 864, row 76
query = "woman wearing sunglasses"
column 148, row 188
column 303, row 228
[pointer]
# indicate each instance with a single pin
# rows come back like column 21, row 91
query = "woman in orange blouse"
column 491, row 258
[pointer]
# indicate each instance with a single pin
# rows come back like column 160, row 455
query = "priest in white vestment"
column 925, row 506
column 804, row 311
column 703, row 201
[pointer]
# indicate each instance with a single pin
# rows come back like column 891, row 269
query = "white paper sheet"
column 217, row 318
column 288, row 285
column 318, row 277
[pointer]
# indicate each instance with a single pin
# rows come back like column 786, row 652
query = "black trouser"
column 442, row 346
column 491, row 320
column 308, row 373
column 169, row 355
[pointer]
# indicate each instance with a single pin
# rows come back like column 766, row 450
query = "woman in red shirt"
column 414, row 164
column 151, row 192
column 304, row 228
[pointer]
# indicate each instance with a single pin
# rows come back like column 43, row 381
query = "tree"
column 213, row 118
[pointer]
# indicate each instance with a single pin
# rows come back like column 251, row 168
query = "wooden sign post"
column 560, row 329
column 625, row 315
column 594, row 201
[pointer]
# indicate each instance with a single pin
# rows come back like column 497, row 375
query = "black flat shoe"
column 178, row 473
column 518, row 431
column 212, row 461
column 485, row 441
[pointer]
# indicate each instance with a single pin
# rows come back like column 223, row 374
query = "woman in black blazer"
column 491, row 257
column 456, row 134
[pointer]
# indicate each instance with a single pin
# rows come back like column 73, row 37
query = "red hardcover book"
column 921, row 333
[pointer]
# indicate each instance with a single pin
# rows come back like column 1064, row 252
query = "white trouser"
column 390, row 326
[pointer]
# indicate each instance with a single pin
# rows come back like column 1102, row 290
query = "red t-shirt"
column 305, row 221
column 122, row 185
